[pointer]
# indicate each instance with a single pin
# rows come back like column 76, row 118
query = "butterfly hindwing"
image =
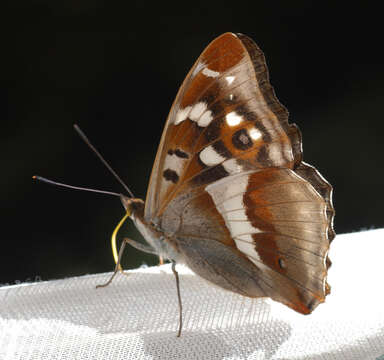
column 272, row 222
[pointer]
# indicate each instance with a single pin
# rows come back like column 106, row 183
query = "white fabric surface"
column 137, row 316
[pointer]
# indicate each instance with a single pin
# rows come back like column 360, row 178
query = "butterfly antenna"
column 47, row 181
column 86, row 140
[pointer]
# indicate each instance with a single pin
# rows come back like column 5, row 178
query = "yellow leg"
column 117, row 267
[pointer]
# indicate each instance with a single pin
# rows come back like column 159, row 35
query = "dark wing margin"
column 281, row 112
column 306, row 171
column 324, row 188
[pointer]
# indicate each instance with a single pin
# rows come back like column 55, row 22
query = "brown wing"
column 225, row 119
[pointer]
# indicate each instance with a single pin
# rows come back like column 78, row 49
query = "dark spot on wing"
column 221, row 149
column 181, row 154
column 262, row 157
column 208, row 98
column 213, row 130
column 210, row 175
column 241, row 140
column 171, row 175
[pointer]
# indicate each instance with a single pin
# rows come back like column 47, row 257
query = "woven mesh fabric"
column 136, row 317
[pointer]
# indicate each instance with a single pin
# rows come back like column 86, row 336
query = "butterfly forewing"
column 229, row 188
column 221, row 123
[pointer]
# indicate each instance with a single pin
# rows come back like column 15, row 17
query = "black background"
column 115, row 67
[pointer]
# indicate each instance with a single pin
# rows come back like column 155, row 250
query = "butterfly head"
column 132, row 206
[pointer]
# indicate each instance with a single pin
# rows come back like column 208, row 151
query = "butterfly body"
column 229, row 194
column 155, row 237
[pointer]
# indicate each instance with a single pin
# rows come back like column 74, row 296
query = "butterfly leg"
column 178, row 297
column 117, row 267
column 136, row 245
column 139, row 246
column 144, row 248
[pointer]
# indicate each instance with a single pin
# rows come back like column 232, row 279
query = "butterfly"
column 229, row 194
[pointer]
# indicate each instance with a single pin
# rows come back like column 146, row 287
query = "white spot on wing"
column 233, row 118
column 246, row 245
column 233, row 203
column 182, row 114
column 224, row 188
column 197, row 69
column 174, row 163
column 237, row 214
column 229, row 79
column 205, row 119
column 232, row 167
column 197, row 110
column 210, row 157
column 197, row 113
column 227, row 195
column 210, row 73
column 242, row 227
column 254, row 134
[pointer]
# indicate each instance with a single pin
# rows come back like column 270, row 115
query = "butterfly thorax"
column 153, row 235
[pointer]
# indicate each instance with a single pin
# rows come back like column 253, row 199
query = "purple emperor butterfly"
column 229, row 194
